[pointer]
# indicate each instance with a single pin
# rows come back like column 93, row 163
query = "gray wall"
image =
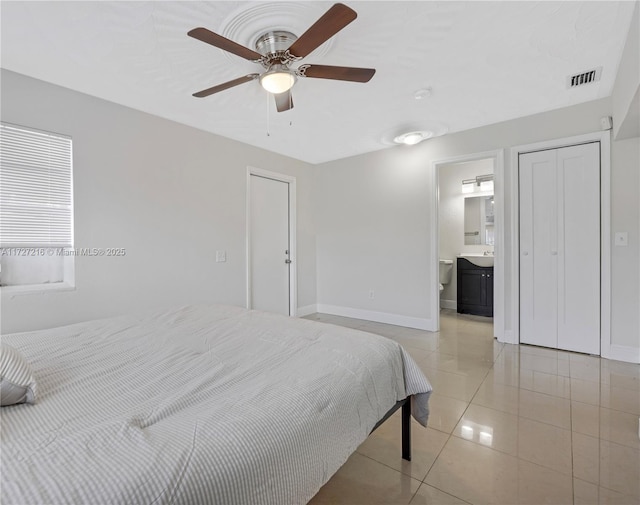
column 170, row 194
column 372, row 235
column 625, row 261
column 626, row 91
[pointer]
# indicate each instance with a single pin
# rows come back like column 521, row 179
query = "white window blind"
column 36, row 206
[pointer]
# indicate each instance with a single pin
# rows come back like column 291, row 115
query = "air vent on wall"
column 573, row 81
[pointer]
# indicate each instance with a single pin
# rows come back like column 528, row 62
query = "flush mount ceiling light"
column 412, row 138
column 278, row 79
column 423, row 93
column 411, row 133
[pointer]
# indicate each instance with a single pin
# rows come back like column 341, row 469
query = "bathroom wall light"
column 468, row 186
column 486, row 186
column 412, row 138
column 480, row 184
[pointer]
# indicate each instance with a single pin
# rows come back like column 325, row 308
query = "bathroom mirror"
column 478, row 220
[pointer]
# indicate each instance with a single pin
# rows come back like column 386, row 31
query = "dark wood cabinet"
column 475, row 289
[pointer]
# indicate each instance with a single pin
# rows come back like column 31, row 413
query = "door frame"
column 498, row 267
column 604, row 138
column 293, row 282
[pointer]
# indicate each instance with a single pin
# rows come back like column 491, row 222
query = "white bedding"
column 199, row 405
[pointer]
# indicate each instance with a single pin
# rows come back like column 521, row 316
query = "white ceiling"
column 485, row 62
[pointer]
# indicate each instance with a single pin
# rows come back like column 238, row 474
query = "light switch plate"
column 221, row 256
column 621, row 239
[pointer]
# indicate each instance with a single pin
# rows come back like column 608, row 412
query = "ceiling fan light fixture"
column 412, row 138
column 278, row 79
column 277, row 49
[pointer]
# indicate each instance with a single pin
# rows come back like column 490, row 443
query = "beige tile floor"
column 509, row 424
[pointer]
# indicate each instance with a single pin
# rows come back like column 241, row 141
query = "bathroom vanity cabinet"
column 475, row 289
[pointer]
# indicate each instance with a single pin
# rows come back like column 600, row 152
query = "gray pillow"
column 17, row 384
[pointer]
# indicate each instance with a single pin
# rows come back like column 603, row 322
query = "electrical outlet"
column 372, row 294
column 221, row 256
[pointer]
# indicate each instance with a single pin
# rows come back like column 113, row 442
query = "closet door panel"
column 538, row 238
column 579, row 248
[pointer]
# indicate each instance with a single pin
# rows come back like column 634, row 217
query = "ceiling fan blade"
column 284, row 101
column 226, row 85
column 339, row 73
column 223, row 43
column 334, row 20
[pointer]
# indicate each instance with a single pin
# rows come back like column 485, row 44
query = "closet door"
column 579, row 248
column 538, row 238
column 560, row 248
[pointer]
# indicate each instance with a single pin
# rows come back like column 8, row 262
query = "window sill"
column 37, row 289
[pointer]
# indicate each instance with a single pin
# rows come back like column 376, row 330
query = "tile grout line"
column 573, row 487
column 573, row 366
column 450, row 435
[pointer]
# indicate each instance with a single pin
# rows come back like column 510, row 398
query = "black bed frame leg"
column 406, row 430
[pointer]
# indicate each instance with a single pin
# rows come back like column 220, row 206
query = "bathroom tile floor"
column 509, row 425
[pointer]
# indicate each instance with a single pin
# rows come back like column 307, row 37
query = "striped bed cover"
column 197, row 405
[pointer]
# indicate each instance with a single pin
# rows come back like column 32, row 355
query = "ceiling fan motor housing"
column 275, row 41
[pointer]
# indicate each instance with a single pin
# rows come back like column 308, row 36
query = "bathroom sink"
column 479, row 260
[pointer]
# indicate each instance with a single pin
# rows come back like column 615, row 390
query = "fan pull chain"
column 268, row 132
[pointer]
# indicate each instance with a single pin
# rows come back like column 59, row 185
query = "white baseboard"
column 623, row 353
column 306, row 310
column 379, row 317
column 448, row 304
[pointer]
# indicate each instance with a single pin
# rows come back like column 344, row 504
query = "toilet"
column 446, row 268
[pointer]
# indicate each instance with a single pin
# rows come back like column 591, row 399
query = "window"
column 36, row 208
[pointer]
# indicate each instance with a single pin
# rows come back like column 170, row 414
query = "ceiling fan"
column 277, row 50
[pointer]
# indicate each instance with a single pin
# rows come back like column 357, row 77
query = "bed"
column 198, row 405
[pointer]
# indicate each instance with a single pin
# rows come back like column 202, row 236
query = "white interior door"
column 560, row 248
column 538, row 267
column 579, row 248
column 269, row 247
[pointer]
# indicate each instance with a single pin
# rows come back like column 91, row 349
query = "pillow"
column 17, row 384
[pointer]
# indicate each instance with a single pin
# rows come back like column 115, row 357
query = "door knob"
column 287, row 261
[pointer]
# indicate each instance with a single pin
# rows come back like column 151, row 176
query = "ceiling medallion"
column 249, row 24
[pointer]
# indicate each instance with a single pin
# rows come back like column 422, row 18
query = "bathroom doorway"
column 467, row 219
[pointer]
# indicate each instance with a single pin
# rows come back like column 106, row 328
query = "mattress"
column 197, row 405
